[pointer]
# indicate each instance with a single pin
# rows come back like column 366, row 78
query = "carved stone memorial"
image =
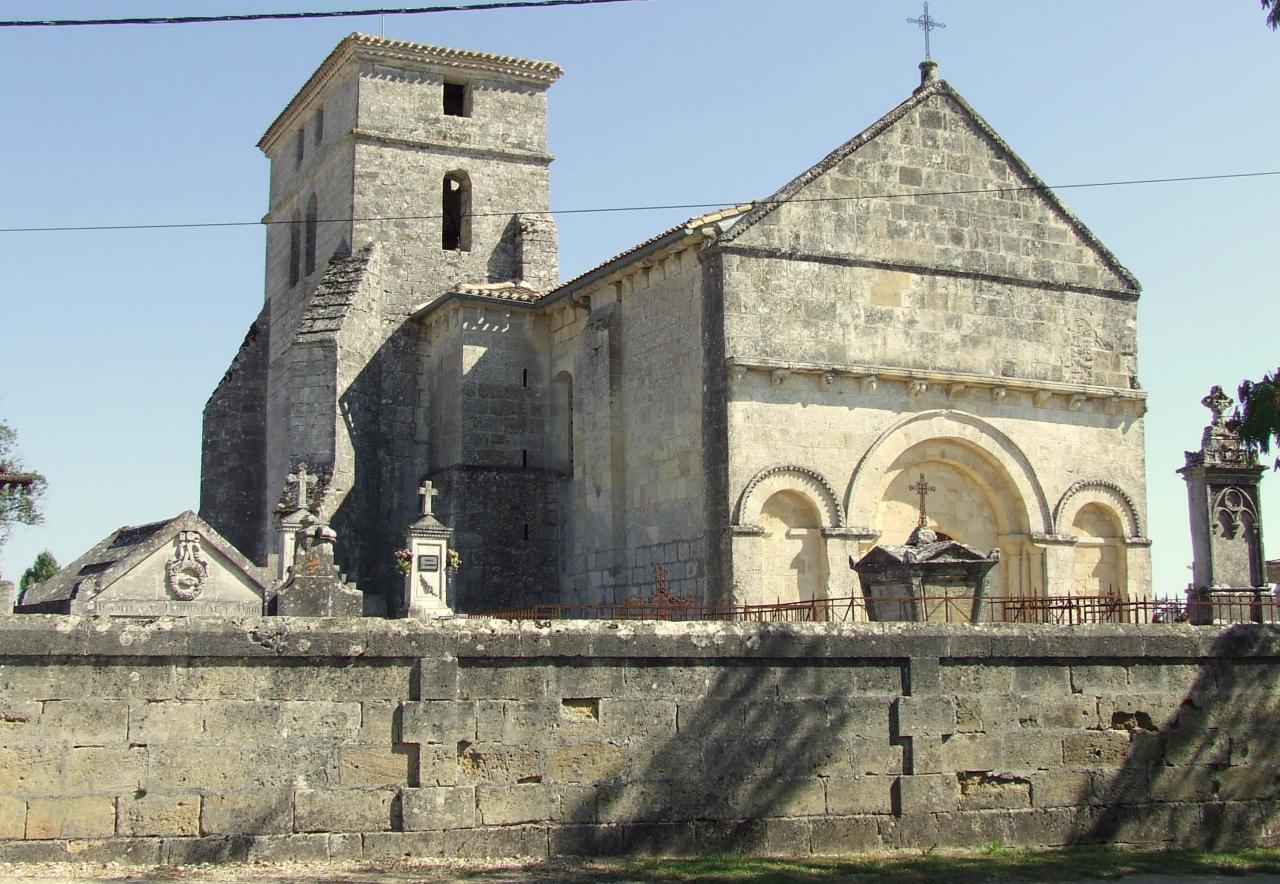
column 314, row 587
column 178, row 567
column 426, row 583
column 1228, row 568
column 929, row 578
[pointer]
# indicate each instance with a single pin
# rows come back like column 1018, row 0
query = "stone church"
column 733, row 408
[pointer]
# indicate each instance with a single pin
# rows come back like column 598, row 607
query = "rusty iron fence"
column 952, row 608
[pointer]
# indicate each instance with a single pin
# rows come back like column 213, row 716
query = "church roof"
column 792, row 189
column 691, row 227
column 402, row 53
column 119, row 552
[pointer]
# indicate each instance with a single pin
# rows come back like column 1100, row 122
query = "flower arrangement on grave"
column 404, row 560
column 453, row 562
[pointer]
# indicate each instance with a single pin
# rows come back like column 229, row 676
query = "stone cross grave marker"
column 302, row 479
column 426, row 492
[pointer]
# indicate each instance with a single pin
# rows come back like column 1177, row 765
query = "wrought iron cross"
column 922, row 488
column 926, row 23
column 426, row 492
column 302, row 479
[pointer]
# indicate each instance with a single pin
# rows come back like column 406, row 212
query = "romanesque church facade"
column 733, row 408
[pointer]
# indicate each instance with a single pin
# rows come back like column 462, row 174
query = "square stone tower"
column 399, row 172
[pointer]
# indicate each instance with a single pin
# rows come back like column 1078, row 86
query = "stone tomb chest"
column 927, row 579
column 179, row 567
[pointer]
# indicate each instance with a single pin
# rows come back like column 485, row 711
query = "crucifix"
column 926, row 23
column 426, row 492
column 922, row 488
column 302, row 479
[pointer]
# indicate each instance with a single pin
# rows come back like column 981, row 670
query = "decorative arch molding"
column 938, row 424
column 1088, row 491
column 789, row 477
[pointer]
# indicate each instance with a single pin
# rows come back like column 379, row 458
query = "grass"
column 993, row 862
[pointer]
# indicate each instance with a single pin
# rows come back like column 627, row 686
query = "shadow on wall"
column 730, row 757
column 1201, row 764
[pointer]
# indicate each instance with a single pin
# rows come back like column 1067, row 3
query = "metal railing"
column 947, row 608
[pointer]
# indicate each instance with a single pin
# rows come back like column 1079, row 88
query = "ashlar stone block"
column 13, row 816
column 151, row 815
column 342, row 810
column 508, row 805
column 93, row 816
column 429, row 809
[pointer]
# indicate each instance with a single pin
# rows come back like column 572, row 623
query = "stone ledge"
column 69, row 637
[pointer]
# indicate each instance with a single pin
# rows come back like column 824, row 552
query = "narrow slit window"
column 526, row 530
column 456, row 212
column 524, row 377
column 319, row 136
column 457, row 100
column 295, row 248
column 313, row 212
column 524, row 457
column 299, row 145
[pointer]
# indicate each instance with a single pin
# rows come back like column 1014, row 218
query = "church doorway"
column 794, row 562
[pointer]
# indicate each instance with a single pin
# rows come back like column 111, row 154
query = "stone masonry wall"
column 184, row 741
column 637, row 498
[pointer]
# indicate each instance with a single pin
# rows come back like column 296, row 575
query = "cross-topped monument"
column 426, row 492
column 926, row 23
column 924, row 489
column 302, row 479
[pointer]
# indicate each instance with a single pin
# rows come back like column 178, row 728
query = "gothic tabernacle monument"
column 742, row 401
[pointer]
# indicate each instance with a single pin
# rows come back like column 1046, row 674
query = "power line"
column 287, row 16
column 651, row 208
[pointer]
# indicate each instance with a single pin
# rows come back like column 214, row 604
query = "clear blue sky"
column 112, row 341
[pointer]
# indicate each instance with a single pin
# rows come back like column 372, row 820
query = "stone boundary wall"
column 178, row 741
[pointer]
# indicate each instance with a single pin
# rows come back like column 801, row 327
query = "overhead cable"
column 288, row 16
column 651, row 208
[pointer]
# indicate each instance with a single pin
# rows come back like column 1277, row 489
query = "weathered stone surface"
column 171, row 815
column 13, row 817
column 342, row 810
column 92, row 816
column 438, row 808
column 260, row 812
column 313, row 770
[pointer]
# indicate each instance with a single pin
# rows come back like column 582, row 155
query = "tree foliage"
column 1258, row 419
column 44, row 567
column 1272, row 8
column 19, row 501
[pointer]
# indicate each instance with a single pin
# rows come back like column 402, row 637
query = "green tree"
column 44, row 567
column 20, row 491
column 1258, row 418
column 1273, row 12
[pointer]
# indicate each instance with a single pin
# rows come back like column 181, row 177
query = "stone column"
column 1228, row 569
column 426, row 584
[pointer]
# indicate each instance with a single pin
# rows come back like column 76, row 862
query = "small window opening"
column 319, row 136
column 455, row 100
column 456, row 212
column 313, row 212
column 524, row 457
column 299, row 142
column 295, row 248
column 526, row 530
column 524, row 377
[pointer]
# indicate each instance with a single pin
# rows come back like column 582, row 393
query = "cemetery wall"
column 186, row 740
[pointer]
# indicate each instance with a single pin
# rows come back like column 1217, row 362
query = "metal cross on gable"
column 922, row 488
column 426, row 492
column 926, row 23
column 302, row 479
